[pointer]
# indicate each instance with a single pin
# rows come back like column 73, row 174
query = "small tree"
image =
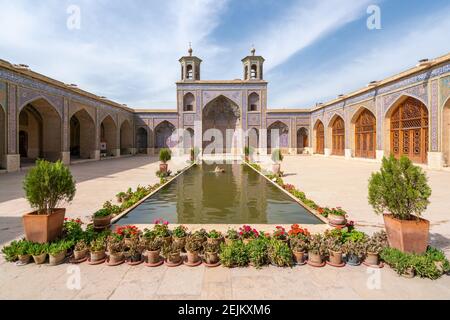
column 277, row 156
column 47, row 185
column 165, row 155
column 400, row 188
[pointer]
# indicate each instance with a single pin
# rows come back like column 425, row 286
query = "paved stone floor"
column 328, row 181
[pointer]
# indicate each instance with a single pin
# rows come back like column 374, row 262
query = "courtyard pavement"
column 328, row 181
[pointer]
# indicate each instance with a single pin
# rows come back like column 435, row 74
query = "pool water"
column 238, row 196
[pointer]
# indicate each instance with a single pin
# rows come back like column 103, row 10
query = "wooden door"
column 320, row 139
column 338, row 137
column 365, row 135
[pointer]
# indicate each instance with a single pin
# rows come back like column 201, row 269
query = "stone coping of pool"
column 270, row 228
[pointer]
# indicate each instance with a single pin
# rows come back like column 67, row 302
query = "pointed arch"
column 163, row 135
column 126, row 137
column 278, row 137
column 108, row 136
column 302, row 140
column 82, row 135
column 363, row 133
column 142, row 140
column 319, row 135
column 188, row 102
column 336, row 131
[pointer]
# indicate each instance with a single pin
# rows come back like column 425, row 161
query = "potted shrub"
column 172, row 254
column 161, row 230
column 39, row 252
column 57, row 252
column 334, row 246
column 316, row 250
column 258, row 252
column 164, row 156
column 277, row 158
column 81, row 250
column 115, row 245
column 374, row 246
column 46, row 186
column 401, row 189
column 279, row 253
column 336, row 216
column 97, row 250
column 24, row 252
column 211, row 252
column 232, row 235
column 193, row 247
column 133, row 250
column 10, row 251
column 102, row 218
column 214, row 237
column 234, row 255
column 247, row 233
column 355, row 250
column 127, row 233
column 179, row 235
column 280, row 234
column 153, row 248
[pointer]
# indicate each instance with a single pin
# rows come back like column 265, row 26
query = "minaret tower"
column 190, row 66
column 253, row 66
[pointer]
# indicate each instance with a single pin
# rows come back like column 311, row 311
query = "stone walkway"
column 328, row 181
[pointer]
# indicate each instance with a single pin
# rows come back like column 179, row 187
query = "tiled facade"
column 126, row 131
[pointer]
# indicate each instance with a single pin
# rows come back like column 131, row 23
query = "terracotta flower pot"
column 40, row 259
column 337, row 220
column 102, row 222
column 409, row 236
column 353, row 260
column 78, row 255
column 43, row 228
column 276, row 168
column 24, row 259
column 315, row 258
column 97, row 256
column 174, row 257
column 211, row 257
column 116, row 258
column 372, row 259
column 135, row 258
column 192, row 257
column 57, row 259
column 409, row 273
column 299, row 257
column 163, row 167
column 336, row 257
column 153, row 257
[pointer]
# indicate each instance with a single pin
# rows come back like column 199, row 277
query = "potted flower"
column 401, row 189
column 374, row 246
column 354, row 250
column 39, row 252
column 46, row 186
column 214, row 237
column 161, row 230
column 172, row 254
column 179, row 235
column 279, row 253
column 127, row 232
column 277, row 158
column 102, row 219
column 115, row 245
column 164, row 156
column 336, row 216
column 24, row 252
column 334, row 246
column 247, row 233
column 234, row 254
column 231, row 235
column 280, row 234
column 211, row 252
column 97, row 250
column 193, row 247
column 299, row 238
column 153, row 248
column 316, row 250
column 81, row 250
column 57, row 251
column 133, row 250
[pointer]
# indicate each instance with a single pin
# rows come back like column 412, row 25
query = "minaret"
column 190, row 66
column 253, row 66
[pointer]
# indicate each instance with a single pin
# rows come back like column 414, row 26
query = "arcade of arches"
column 108, row 137
column 126, row 138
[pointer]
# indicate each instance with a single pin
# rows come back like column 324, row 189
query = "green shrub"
column 400, row 188
column 11, row 251
column 102, row 213
column 277, row 156
column 279, row 253
column 234, row 254
column 47, row 185
column 165, row 155
column 257, row 252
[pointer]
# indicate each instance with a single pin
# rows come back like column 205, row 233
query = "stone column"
column 12, row 157
column 65, row 133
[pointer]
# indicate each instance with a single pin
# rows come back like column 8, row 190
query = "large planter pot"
column 337, row 220
column 102, row 222
column 212, row 257
column 315, row 258
column 97, row 256
column 40, row 259
column 43, row 228
column 57, row 259
column 153, row 257
column 163, row 167
column 409, row 236
column 79, row 255
column 299, row 257
column 372, row 259
column 335, row 258
column 276, row 168
column 192, row 257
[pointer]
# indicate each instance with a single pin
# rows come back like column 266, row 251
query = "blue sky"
column 314, row 49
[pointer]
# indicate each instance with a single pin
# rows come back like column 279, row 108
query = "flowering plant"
column 180, row 232
column 289, row 187
column 72, row 229
column 280, row 233
column 247, row 232
column 127, row 231
column 298, row 232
